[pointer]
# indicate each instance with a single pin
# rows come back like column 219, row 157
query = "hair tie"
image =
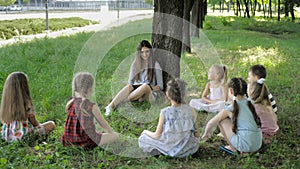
column 261, row 80
column 234, row 98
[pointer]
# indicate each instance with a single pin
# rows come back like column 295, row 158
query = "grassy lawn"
column 239, row 42
column 19, row 27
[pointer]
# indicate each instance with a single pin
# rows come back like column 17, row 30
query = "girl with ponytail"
column 80, row 129
column 264, row 103
column 239, row 123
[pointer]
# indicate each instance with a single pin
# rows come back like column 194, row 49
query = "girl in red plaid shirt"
column 80, row 129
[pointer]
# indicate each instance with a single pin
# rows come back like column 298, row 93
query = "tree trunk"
column 186, row 43
column 264, row 9
column 167, row 36
column 201, row 13
column 286, row 8
column 238, row 7
column 255, row 6
column 247, row 8
column 278, row 17
column 270, row 8
column 291, row 9
column 195, row 19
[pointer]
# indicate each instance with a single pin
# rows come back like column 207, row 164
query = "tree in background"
column 289, row 8
column 167, row 36
column 186, row 43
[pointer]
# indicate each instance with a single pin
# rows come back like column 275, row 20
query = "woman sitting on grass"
column 176, row 134
column 80, row 129
column 144, row 78
column 17, row 112
column 239, row 123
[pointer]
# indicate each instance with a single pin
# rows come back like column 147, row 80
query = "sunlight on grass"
column 50, row 65
column 269, row 57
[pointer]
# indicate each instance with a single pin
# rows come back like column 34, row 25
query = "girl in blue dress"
column 176, row 133
column 239, row 123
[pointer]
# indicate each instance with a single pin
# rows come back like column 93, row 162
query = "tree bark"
column 278, row 17
column 292, row 2
column 186, row 43
column 247, row 8
column 167, row 36
column 270, row 8
column 201, row 13
column 195, row 19
column 238, row 8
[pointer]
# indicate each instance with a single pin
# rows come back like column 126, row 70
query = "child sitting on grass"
column 258, row 92
column 176, row 134
column 258, row 73
column 215, row 92
column 17, row 112
column 80, row 129
column 239, row 123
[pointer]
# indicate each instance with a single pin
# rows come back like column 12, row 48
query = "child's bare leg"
column 45, row 127
column 226, row 129
column 143, row 91
column 108, row 138
column 121, row 96
column 210, row 125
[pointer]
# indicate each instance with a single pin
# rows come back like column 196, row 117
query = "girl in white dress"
column 215, row 92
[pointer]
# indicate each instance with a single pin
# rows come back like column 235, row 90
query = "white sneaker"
column 220, row 135
column 108, row 110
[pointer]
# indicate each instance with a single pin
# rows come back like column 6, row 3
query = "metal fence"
column 87, row 4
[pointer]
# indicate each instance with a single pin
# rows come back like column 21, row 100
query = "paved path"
column 107, row 19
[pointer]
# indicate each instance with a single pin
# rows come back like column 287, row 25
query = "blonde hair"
column 82, row 83
column 221, row 71
column 16, row 100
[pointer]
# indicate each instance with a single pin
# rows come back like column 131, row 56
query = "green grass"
column 50, row 65
column 18, row 27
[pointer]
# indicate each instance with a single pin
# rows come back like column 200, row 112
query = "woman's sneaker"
column 108, row 110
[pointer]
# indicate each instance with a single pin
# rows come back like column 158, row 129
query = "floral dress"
column 17, row 130
column 177, row 138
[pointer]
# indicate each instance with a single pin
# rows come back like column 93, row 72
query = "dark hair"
column 259, row 92
column 143, row 43
column 239, row 87
column 259, row 71
column 176, row 90
column 151, row 63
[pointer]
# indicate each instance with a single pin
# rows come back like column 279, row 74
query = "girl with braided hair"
column 239, row 123
column 79, row 128
column 176, row 134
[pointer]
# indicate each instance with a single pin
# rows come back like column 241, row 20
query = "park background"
column 240, row 42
